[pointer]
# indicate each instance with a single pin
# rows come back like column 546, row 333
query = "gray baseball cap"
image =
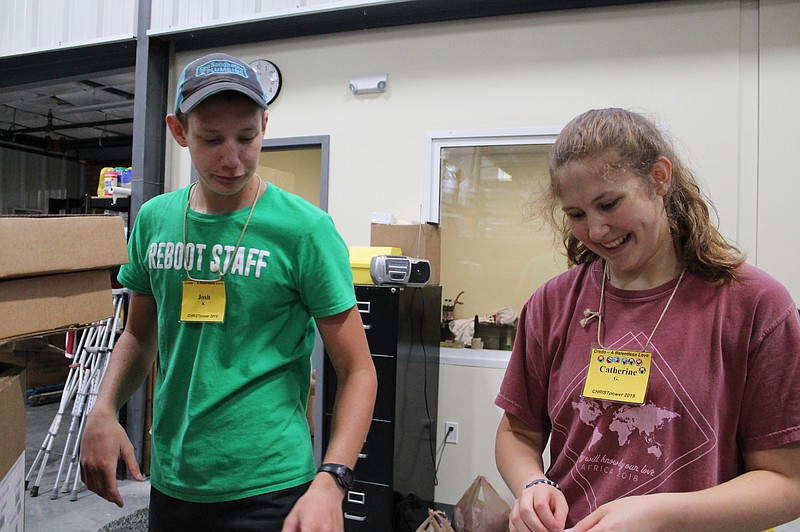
column 215, row 73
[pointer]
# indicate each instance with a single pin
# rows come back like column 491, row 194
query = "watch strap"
column 342, row 474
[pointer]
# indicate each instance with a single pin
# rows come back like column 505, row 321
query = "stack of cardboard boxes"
column 54, row 276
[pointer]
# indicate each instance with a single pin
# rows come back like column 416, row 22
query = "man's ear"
column 177, row 130
column 662, row 175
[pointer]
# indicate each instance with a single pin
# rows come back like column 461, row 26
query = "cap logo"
column 220, row 66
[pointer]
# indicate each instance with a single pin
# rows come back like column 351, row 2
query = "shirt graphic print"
column 638, row 433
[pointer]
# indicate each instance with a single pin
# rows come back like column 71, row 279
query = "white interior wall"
column 466, row 396
column 690, row 65
column 779, row 140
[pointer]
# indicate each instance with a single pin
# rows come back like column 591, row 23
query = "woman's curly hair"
column 629, row 141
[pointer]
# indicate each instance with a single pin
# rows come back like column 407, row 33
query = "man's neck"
column 204, row 201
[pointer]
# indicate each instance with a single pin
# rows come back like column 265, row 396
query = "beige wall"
column 694, row 66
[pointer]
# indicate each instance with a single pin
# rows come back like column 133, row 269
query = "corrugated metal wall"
column 42, row 25
column 28, row 181
column 168, row 15
column 28, row 26
column 179, row 15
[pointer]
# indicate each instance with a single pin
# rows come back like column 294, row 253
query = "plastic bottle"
column 101, row 182
column 126, row 177
column 447, row 317
column 110, row 179
column 448, row 310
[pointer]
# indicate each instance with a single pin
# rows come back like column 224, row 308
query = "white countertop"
column 480, row 358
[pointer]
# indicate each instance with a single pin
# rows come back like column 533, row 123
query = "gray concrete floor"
column 86, row 514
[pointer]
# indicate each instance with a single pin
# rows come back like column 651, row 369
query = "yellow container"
column 361, row 257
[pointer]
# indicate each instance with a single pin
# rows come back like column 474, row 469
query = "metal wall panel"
column 44, row 25
column 168, row 16
column 29, row 180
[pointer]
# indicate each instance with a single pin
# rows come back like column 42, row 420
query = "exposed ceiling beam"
column 71, row 64
column 62, row 145
column 77, row 125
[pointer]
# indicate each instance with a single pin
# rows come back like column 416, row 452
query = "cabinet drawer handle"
column 364, row 306
column 367, row 327
column 356, row 497
column 355, row 517
column 361, row 456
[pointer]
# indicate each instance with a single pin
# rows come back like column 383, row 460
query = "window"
column 492, row 249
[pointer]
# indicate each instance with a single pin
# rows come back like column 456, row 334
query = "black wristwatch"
column 343, row 474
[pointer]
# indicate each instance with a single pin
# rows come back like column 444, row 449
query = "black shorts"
column 259, row 513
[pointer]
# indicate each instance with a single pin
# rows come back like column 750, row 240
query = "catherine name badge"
column 619, row 376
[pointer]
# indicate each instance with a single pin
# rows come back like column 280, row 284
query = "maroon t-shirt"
column 724, row 380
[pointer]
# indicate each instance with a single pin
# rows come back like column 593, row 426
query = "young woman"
column 656, row 365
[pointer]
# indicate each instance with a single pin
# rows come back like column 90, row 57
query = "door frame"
column 313, row 141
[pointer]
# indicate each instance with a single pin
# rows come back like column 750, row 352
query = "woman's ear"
column 662, row 175
column 176, row 128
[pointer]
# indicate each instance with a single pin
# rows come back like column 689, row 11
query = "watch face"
column 270, row 77
column 346, row 476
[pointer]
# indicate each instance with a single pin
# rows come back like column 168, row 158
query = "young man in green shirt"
column 230, row 276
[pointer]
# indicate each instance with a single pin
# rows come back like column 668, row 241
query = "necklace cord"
column 599, row 313
column 221, row 273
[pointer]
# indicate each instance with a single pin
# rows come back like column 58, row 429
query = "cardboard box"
column 12, row 448
column 361, row 257
column 42, row 358
column 421, row 241
column 38, row 305
column 45, row 245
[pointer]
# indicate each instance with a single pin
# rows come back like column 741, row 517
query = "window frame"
column 436, row 141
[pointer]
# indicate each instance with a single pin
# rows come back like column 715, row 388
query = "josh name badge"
column 203, row 301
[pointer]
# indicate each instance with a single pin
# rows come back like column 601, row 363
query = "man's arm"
column 346, row 344
column 104, row 440
column 347, row 348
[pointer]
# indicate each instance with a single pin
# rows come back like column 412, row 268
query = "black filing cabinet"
column 398, row 456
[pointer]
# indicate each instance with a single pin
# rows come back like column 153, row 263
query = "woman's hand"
column 645, row 513
column 540, row 508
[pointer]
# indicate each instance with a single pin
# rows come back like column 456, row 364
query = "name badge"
column 203, row 301
column 620, row 376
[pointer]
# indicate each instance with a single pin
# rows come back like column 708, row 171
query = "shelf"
column 122, row 204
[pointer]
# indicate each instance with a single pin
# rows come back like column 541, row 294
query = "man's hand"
column 319, row 509
column 104, row 442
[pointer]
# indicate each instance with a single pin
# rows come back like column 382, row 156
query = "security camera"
column 369, row 84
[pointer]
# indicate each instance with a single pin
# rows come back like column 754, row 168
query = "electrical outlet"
column 451, row 432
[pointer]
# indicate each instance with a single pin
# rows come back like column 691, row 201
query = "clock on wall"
column 270, row 77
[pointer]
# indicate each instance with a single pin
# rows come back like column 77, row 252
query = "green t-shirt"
column 230, row 399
